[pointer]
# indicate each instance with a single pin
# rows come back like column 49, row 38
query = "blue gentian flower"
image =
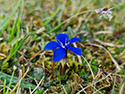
column 61, row 46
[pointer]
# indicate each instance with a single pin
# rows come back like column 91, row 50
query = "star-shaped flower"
column 61, row 46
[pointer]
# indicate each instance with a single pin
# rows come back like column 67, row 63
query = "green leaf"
column 38, row 72
column 15, row 80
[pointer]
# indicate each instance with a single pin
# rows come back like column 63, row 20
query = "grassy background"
column 26, row 26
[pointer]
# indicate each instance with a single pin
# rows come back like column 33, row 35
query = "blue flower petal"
column 51, row 45
column 62, row 38
column 77, row 51
column 75, row 39
column 59, row 54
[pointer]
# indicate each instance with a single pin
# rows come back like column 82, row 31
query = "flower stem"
column 63, row 66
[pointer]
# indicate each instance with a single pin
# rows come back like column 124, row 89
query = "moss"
column 4, row 48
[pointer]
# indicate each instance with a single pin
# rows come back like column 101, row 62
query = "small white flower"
column 105, row 12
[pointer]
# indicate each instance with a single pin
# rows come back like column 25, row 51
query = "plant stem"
column 63, row 66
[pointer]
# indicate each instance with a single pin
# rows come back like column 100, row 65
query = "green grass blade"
column 4, row 86
column 22, row 8
column 15, row 41
column 113, row 87
column 1, row 90
column 52, row 15
column 17, row 36
column 68, row 20
column 19, row 45
column 122, row 83
column 18, row 28
column 13, row 30
column 10, row 82
column 42, row 13
column 6, row 22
